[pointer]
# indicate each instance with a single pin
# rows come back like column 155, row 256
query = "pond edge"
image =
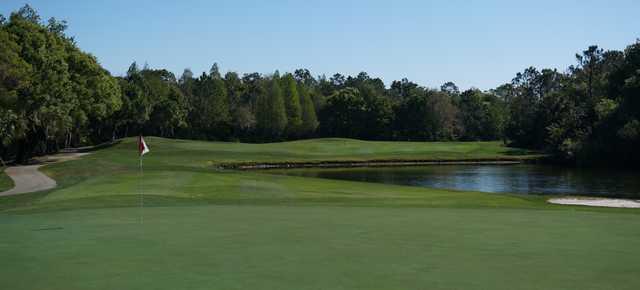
column 375, row 163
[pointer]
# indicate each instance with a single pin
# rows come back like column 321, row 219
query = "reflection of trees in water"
column 523, row 179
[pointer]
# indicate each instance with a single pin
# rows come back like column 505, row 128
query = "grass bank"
column 181, row 171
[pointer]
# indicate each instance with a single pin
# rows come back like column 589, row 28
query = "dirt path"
column 28, row 178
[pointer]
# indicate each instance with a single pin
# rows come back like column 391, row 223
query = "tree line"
column 53, row 95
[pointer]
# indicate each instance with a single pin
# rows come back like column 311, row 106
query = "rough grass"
column 210, row 229
column 5, row 182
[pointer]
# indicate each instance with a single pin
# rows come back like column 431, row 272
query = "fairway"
column 206, row 228
column 186, row 172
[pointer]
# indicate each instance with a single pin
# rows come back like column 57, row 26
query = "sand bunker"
column 603, row 202
column 28, row 178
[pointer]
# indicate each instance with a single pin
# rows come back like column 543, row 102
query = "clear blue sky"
column 473, row 43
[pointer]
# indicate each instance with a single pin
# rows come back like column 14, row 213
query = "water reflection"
column 523, row 179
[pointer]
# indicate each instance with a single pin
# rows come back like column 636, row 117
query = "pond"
column 520, row 178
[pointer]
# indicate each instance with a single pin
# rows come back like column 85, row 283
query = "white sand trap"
column 603, row 202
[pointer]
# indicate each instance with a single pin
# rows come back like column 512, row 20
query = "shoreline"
column 373, row 163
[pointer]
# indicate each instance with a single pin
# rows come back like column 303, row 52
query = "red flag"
column 142, row 146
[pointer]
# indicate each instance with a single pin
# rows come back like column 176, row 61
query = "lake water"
column 521, row 178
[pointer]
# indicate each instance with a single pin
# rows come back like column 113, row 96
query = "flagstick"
column 141, row 193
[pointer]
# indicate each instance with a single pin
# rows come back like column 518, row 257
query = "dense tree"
column 450, row 88
column 378, row 115
column 404, row 88
column 53, row 95
column 473, row 115
column 304, row 77
column 427, row 116
column 309, row 117
column 210, row 117
column 271, row 114
column 292, row 105
column 14, row 77
column 524, row 128
column 136, row 103
column 343, row 115
column 50, row 89
column 482, row 115
column 585, row 115
column 170, row 108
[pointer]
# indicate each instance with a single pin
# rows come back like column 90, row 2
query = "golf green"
column 311, row 247
column 205, row 228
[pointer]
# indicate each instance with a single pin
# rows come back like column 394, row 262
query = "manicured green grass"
column 185, row 171
column 5, row 182
column 206, row 228
column 319, row 247
column 331, row 149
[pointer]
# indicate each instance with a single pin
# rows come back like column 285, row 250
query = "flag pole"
column 142, row 149
column 141, row 193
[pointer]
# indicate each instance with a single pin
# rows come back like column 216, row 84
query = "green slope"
column 180, row 171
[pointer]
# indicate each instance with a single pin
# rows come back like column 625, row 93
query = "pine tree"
column 292, row 105
column 219, row 109
column 271, row 116
column 210, row 117
column 309, row 117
